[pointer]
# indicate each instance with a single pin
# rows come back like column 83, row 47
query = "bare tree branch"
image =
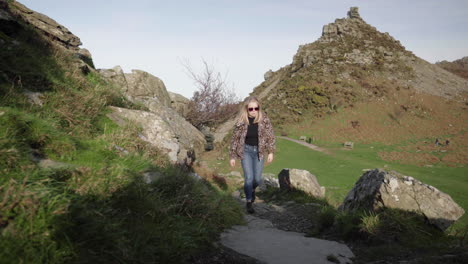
column 213, row 102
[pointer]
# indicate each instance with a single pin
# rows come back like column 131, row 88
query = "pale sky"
column 241, row 38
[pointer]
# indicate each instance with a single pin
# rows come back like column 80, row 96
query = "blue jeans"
column 253, row 168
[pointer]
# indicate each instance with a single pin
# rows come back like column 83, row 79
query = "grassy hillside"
column 409, row 122
column 67, row 193
column 339, row 171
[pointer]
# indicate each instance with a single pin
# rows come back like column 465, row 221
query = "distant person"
column 447, row 142
column 252, row 140
column 437, row 143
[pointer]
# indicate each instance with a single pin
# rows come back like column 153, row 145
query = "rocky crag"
column 57, row 34
column 162, row 126
column 351, row 62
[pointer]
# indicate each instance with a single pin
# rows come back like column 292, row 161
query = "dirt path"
column 271, row 236
column 311, row 146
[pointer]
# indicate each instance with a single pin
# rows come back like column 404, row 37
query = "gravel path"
column 311, row 146
column 274, row 234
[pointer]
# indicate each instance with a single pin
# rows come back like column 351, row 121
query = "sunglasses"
column 251, row 109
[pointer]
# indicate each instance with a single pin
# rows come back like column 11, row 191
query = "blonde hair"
column 244, row 114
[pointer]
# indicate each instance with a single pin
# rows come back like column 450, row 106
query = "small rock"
column 151, row 176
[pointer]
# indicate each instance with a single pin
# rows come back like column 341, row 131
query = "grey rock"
column 268, row 75
column 116, row 77
column 165, row 130
column 52, row 164
column 269, row 180
column 151, row 176
column 51, row 29
column 85, row 53
column 379, row 189
column 139, row 87
column 85, row 56
column 300, row 180
column 147, row 89
column 272, row 245
column 179, row 103
column 223, row 130
column 354, row 13
column 120, row 149
column 34, row 97
column 195, row 176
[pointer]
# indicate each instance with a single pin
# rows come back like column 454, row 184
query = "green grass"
column 339, row 172
column 96, row 208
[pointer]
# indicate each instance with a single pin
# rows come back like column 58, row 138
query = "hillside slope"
column 352, row 62
column 74, row 186
column 458, row 67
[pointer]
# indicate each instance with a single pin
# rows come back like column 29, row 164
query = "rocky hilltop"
column 458, row 67
column 351, row 62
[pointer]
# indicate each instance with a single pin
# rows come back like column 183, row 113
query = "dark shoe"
column 249, row 207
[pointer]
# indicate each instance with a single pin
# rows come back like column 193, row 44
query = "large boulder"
column 269, row 180
column 378, row 189
column 166, row 130
column 50, row 28
column 300, row 180
column 116, row 77
column 139, row 87
column 179, row 103
column 147, row 89
column 54, row 33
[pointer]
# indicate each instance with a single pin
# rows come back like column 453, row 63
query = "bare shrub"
column 213, row 102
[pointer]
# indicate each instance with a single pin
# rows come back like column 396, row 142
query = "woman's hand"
column 270, row 157
column 232, row 162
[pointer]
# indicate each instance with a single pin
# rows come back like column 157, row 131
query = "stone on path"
column 378, row 189
column 301, row 180
column 260, row 240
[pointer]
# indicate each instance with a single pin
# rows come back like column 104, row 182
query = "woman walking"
column 252, row 140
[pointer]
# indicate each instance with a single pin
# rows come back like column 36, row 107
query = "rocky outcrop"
column 430, row 78
column 55, row 33
column 162, row 126
column 380, row 189
column 58, row 33
column 354, row 13
column 116, row 77
column 166, row 130
column 148, row 89
column 179, row 103
column 269, row 181
column 268, row 74
column 224, row 129
column 355, row 42
column 351, row 62
column 139, row 87
column 300, row 180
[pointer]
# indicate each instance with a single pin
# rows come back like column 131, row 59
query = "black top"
column 252, row 133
